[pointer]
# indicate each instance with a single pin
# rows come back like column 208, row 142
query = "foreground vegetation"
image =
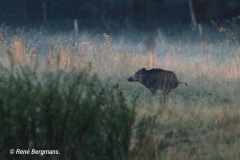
column 71, row 95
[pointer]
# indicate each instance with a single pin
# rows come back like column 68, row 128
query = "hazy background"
column 114, row 14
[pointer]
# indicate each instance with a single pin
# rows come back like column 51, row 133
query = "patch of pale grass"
column 207, row 126
column 22, row 54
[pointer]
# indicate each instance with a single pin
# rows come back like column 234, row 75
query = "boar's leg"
column 165, row 94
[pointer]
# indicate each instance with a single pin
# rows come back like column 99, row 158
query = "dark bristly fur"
column 155, row 79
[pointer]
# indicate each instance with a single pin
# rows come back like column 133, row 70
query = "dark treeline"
column 121, row 12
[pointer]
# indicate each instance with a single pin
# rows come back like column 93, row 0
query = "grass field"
column 200, row 121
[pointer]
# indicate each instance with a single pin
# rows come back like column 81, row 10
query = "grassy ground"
column 200, row 121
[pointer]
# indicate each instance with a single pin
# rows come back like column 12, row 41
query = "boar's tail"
column 183, row 82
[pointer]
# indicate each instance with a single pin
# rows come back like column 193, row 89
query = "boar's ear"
column 143, row 69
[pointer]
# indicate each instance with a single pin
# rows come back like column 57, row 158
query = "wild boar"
column 156, row 79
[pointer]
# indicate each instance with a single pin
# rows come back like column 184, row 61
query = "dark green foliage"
column 70, row 112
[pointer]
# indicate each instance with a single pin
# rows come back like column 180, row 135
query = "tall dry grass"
column 203, row 117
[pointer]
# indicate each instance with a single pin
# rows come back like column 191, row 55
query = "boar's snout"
column 130, row 79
